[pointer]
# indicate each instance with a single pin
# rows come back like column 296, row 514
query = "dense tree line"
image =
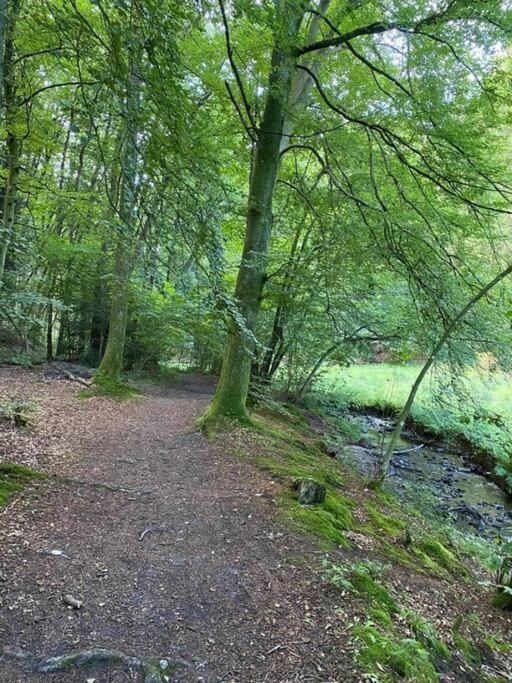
column 253, row 187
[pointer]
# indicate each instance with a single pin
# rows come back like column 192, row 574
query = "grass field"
column 383, row 383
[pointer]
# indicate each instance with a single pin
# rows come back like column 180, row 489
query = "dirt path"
column 172, row 544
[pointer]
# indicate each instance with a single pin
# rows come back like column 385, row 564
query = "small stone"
column 310, row 491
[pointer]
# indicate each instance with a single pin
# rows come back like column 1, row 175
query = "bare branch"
column 239, row 112
column 377, row 69
column 234, row 67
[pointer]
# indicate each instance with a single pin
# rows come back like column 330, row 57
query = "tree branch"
column 234, row 67
column 30, row 97
column 343, row 38
column 377, row 69
column 248, row 130
column 398, row 144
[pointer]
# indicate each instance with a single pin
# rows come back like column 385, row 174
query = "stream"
column 435, row 480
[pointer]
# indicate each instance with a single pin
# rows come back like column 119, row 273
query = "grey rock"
column 310, row 491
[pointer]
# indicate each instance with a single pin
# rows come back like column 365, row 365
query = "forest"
column 256, row 289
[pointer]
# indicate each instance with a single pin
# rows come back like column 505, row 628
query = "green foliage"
column 469, row 651
column 426, row 634
column 379, row 249
column 17, row 411
column 501, row 565
column 165, row 324
column 361, row 577
column 385, row 523
column 9, row 357
column 380, row 647
column 439, row 554
column 380, row 617
column 328, row 521
column 403, row 658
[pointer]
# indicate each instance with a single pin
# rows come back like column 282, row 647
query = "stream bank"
column 444, row 483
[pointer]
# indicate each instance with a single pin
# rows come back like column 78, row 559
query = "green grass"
column 389, row 384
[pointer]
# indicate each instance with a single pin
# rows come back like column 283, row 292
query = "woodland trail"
column 172, row 544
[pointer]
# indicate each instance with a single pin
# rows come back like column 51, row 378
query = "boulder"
column 309, row 491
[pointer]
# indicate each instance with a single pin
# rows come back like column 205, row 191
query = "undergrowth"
column 13, row 478
column 287, row 450
column 384, row 646
column 17, row 412
column 391, row 642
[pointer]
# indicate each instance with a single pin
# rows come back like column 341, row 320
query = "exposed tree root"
column 153, row 670
column 94, row 484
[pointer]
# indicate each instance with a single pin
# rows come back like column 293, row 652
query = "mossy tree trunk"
column 12, row 153
column 12, row 158
column 231, row 395
column 111, row 364
column 3, row 27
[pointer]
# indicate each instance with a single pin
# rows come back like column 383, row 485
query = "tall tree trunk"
column 3, row 31
column 99, row 316
column 49, row 334
column 100, row 312
column 111, row 364
column 231, row 395
column 450, row 329
column 62, row 346
column 10, row 195
column 13, row 145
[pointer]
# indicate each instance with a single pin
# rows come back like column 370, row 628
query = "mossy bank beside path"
column 193, row 562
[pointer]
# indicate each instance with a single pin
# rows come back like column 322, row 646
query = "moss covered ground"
column 395, row 547
column 14, row 477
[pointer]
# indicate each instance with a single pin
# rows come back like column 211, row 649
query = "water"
column 441, row 482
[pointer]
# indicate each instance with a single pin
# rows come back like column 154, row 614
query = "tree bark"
column 9, row 16
column 49, row 334
column 10, row 194
column 111, row 364
column 231, row 395
column 3, row 27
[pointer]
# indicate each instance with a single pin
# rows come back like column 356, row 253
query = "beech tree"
column 432, row 154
